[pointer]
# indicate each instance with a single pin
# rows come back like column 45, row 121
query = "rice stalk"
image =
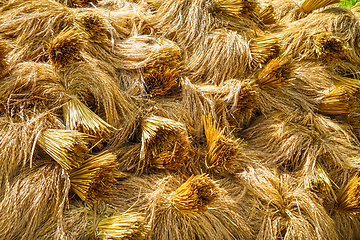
column 237, row 13
column 222, row 151
column 177, row 212
column 295, row 142
column 335, row 102
column 18, row 141
column 148, row 51
column 78, row 3
column 187, row 22
column 79, row 117
column 267, row 14
column 124, row 226
column 34, row 203
column 348, row 199
column 220, row 48
column 95, row 177
column 165, row 143
column 101, row 37
column 308, row 6
column 98, row 90
column 66, row 147
column 300, row 37
column 30, row 87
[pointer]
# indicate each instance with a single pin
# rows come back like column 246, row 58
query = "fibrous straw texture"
column 34, row 203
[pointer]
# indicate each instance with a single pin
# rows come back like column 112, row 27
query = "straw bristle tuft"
column 235, row 9
column 349, row 198
column 160, row 81
column 66, row 147
column 222, row 151
column 267, row 15
column 262, row 50
column 196, row 194
column 329, row 47
column 276, row 73
column 79, row 117
column 129, row 226
column 95, row 177
column 83, row 3
column 66, row 48
column 308, row 6
column 93, row 26
column 165, row 143
column 335, row 102
column 320, row 182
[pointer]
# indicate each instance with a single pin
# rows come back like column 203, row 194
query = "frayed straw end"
column 349, row 198
column 222, row 151
column 124, row 226
column 276, row 73
column 196, row 194
column 165, row 143
column 335, row 102
column 308, row 6
column 66, row 48
column 329, row 47
column 94, row 179
column 79, row 117
column 66, row 147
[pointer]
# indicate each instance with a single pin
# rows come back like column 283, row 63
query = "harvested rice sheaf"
column 281, row 208
column 197, row 209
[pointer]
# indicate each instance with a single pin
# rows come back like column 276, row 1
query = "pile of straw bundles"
column 179, row 119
